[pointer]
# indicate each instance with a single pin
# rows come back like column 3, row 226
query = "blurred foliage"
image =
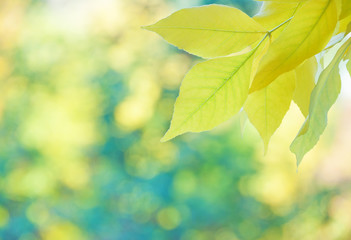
column 86, row 96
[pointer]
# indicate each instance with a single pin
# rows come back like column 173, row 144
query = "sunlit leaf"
column 274, row 13
column 348, row 58
column 345, row 9
column 344, row 24
column 348, row 29
column 280, row 1
column 307, row 34
column 305, row 82
column 323, row 97
column 211, row 93
column 267, row 107
column 209, row 31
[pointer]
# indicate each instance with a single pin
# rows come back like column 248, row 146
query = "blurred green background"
column 86, row 95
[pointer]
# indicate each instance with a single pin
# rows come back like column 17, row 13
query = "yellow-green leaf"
column 344, row 25
column 267, row 107
column 209, row 31
column 306, row 35
column 211, row 93
column 348, row 29
column 272, row 14
column 322, row 98
column 348, row 58
column 305, row 82
column 281, row 1
column 345, row 9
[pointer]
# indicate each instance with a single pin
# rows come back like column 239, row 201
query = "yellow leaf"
column 209, row 31
column 344, row 25
column 267, row 107
column 272, row 14
column 345, row 9
column 306, row 35
column 305, row 75
column 211, row 93
column 322, row 98
column 280, row 1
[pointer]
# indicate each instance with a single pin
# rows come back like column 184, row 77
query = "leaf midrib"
column 204, row 29
column 218, row 89
column 302, row 42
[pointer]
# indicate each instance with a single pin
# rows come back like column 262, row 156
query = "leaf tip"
column 146, row 27
column 164, row 139
column 168, row 136
column 298, row 160
column 298, row 155
column 254, row 87
column 251, row 90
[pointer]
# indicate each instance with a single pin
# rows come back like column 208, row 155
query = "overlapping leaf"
column 307, row 34
column 323, row 97
column 348, row 59
column 282, row 1
column 267, row 107
column 211, row 93
column 344, row 24
column 209, row 31
column 274, row 13
column 345, row 9
column 305, row 82
column 215, row 90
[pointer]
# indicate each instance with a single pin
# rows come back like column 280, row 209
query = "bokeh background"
column 86, row 95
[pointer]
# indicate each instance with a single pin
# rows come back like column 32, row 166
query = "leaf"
column 323, row 97
column 305, row 75
column 209, row 31
column 211, row 93
column 348, row 57
column 307, row 34
column 345, row 9
column 267, row 107
column 348, row 29
column 274, row 13
column 280, row 1
column 335, row 40
column 344, row 25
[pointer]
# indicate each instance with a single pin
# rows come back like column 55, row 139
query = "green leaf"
column 211, row 93
column 209, row 31
column 323, row 97
column 267, row 107
column 306, row 35
column 305, row 82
